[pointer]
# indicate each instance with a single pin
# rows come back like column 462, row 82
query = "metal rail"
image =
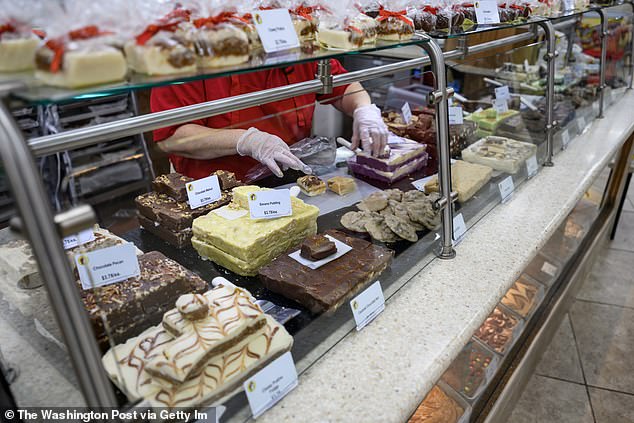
column 551, row 124
column 604, row 54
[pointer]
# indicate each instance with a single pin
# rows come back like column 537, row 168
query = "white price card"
column 367, row 305
column 501, row 105
column 407, row 113
column 487, row 12
column 569, row 5
column 275, row 29
column 565, row 138
column 203, row 191
column 455, row 115
column 270, row 204
column 532, row 166
column 229, row 213
column 549, row 269
column 107, row 266
column 581, row 124
column 459, row 228
column 502, row 92
column 79, row 239
column 506, row 189
column 271, row 384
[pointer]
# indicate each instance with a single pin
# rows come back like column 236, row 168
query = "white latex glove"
column 369, row 130
column 269, row 150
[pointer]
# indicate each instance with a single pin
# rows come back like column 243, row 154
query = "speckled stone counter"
column 382, row 373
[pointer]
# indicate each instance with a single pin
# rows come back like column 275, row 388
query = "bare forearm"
column 355, row 96
column 199, row 142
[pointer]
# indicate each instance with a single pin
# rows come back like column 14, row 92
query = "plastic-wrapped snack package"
column 369, row 7
column 393, row 22
column 217, row 40
column 506, row 12
column 82, row 45
column 523, row 7
column 542, row 7
column 468, row 11
column 424, row 16
column 17, row 40
column 346, row 28
column 161, row 38
column 244, row 20
column 447, row 16
column 305, row 17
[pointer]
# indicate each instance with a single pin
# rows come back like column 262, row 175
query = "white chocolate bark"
column 152, row 60
column 18, row 55
column 83, row 68
column 334, row 38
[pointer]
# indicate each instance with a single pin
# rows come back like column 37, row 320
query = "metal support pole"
column 604, row 54
column 440, row 98
column 551, row 123
column 629, row 86
column 324, row 74
column 38, row 224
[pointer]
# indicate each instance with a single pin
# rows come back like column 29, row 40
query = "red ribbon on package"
column 305, row 12
column 430, row 9
column 401, row 14
column 57, row 45
column 169, row 23
column 215, row 20
column 6, row 28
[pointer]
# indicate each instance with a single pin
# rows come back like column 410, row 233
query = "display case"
column 456, row 155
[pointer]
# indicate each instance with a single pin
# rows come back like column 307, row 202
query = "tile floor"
column 587, row 373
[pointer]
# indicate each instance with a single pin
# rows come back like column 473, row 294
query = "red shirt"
column 289, row 119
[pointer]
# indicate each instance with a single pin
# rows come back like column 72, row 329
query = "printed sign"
column 459, row 228
column 455, row 115
column 271, row 384
column 532, row 166
column 500, row 105
column 407, row 113
column 203, row 191
column 367, row 305
column 78, row 239
column 275, row 29
column 270, row 204
column 506, row 189
column 107, row 266
column 502, row 92
column 487, row 12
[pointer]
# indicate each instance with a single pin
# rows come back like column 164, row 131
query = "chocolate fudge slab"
column 137, row 303
column 326, row 288
column 172, row 185
column 171, row 214
column 317, row 247
column 178, row 239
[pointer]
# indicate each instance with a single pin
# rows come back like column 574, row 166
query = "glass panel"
column 461, row 30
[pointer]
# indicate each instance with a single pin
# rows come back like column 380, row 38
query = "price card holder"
column 275, row 29
column 565, row 139
column 203, row 191
column 506, row 189
column 406, row 111
column 502, row 92
column 455, row 115
column 532, row 166
column 459, row 228
column 271, row 384
column 501, row 105
column 270, row 204
column 107, row 266
column 80, row 239
column 487, row 12
column 581, row 124
column 367, row 305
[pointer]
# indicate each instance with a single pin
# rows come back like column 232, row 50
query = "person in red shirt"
column 262, row 133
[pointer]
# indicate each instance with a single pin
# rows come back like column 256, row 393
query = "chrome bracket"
column 324, row 74
column 437, row 96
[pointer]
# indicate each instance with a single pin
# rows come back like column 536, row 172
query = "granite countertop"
column 382, row 373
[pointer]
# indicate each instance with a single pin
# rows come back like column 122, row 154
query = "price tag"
column 500, row 105
column 506, row 189
column 203, row 191
column 502, row 92
column 270, row 204
column 581, row 123
column 455, row 115
column 79, row 239
column 487, row 12
column 407, row 113
column 565, row 138
column 275, row 29
column 271, row 384
column 532, row 166
column 367, row 305
column 549, row 269
column 569, row 5
column 459, row 228
column 107, row 266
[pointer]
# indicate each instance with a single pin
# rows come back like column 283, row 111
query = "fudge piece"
column 172, row 185
column 317, row 247
column 437, row 407
column 171, row 214
column 357, row 31
column 326, row 288
column 394, row 25
column 220, row 378
column 311, row 185
column 489, row 119
column 227, row 179
column 400, row 152
column 387, row 177
column 204, row 326
column 466, row 179
column 179, row 239
column 468, row 372
column 499, row 153
column 244, row 245
column 17, row 48
column 220, row 44
column 131, row 306
column 522, row 297
column 342, row 185
column 498, row 330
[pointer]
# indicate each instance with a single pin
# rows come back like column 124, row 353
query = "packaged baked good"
column 346, row 28
column 424, row 17
column 82, row 45
column 393, row 22
column 161, row 39
column 305, row 18
column 217, row 40
column 17, row 40
column 311, row 185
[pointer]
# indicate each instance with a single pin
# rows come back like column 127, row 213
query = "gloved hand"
column 269, row 150
column 369, row 130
